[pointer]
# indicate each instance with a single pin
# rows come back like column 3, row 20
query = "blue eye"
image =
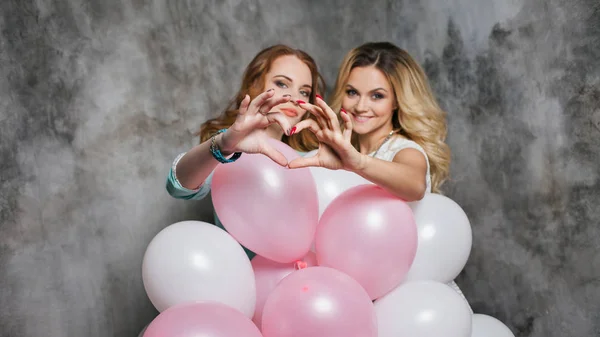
column 305, row 93
column 351, row 92
column 280, row 84
column 377, row 96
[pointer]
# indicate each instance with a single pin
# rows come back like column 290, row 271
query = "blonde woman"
column 392, row 130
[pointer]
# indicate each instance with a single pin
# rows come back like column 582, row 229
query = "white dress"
column 388, row 151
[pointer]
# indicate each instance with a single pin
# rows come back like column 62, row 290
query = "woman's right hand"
column 248, row 132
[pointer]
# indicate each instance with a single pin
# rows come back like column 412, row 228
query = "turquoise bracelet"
column 214, row 150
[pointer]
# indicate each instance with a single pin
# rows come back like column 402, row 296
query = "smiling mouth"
column 361, row 119
column 289, row 112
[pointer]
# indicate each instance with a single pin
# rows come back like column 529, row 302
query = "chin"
column 361, row 129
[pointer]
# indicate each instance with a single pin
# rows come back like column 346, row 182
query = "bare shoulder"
column 406, row 151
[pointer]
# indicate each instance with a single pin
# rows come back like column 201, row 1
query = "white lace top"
column 394, row 145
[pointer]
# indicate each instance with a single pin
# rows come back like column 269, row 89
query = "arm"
column 403, row 177
column 195, row 166
column 176, row 190
column 247, row 135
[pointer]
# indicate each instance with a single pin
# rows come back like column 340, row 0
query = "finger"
column 317, row 113
column 244, row 105
column 274, row 101
column 328, row 113
column 304, row 162
column 313, row 109
column 348, row 125
column 275, row 155
column 259, row 100
column 276, row 117
column 309, row 124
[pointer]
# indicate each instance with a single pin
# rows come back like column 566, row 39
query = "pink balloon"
column 272, row 210
column 268, row 274
column 370, row 235
column 201, row 319
column 319, row 301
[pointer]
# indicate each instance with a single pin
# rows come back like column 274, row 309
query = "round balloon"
column 270, row 209
column 332, row 183
column 445, row 239
column 370, row 235
column 318, row 302
column 269, row 273
column 423, row 309
column 143, row 331
column 201, row 319
column 488, row 326
column 197, row 261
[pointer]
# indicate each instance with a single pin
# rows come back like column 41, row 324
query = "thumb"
column 274, row 154
column 279, row 118
column 304, row 162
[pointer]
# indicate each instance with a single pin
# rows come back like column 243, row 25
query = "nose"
column 361, row 105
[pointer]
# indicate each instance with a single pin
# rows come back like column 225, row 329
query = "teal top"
column 177, row 191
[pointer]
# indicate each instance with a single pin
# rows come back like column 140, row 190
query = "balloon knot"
column 300, row 265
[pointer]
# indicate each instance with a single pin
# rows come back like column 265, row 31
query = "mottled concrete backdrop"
column 97, row 97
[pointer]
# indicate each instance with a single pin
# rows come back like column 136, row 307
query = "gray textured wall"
column 97, row 97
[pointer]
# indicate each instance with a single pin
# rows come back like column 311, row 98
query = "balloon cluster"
column 379, row 265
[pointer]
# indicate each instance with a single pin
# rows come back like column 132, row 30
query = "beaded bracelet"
column 214, row 150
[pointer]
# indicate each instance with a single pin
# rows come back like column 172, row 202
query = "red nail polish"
column 300, row 102
column 293, row 131
column 342, row 110
column 319, row 96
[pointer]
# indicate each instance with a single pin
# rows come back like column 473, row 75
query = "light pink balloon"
column 319, row 302
column 370, row 235
column 268, row 274
column 201, row 319
column 270, row 209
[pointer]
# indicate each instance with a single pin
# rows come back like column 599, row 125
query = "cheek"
column 348, row 102
column 385, row 108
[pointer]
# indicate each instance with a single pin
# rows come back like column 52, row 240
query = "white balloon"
column 488, row 326
column 423, row 309
column 197, row 261
column 445, row 239
column 331, row 183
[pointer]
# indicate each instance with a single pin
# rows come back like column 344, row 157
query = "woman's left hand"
column 335, row 147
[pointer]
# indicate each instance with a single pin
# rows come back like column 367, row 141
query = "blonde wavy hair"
column 418, row 117
column 253, row 83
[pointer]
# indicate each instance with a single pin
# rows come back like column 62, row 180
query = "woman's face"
column 289, row 75
column 370, row 100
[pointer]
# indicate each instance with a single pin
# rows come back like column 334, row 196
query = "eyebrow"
column 289, row 79
column 348, row 85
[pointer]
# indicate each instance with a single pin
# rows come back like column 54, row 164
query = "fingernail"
column 300, row 101
column 293, row 131
column 319, row 96
column 270, row 90
column 342, row 110
column 287, row 96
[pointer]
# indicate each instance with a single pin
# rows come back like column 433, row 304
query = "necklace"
column 384, row 141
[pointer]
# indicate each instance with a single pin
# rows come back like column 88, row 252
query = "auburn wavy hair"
column 419, row 117
column 253, row 83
